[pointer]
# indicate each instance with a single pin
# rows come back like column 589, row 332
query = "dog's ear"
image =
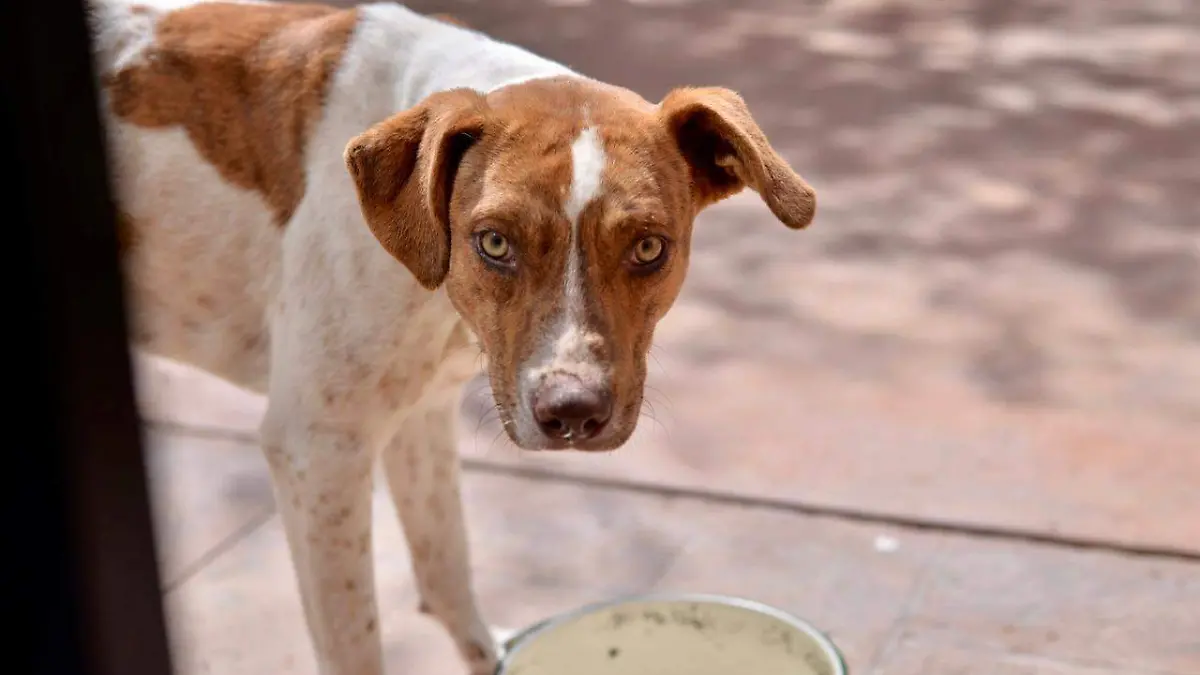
column 727, row 151
column 404, row 168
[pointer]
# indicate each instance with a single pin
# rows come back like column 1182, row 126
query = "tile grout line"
column 1030, row 658
column 916, row 594
column 482, row 466
column 676, row 557
column 224, row 545
column 834, row 512
column 199, row 431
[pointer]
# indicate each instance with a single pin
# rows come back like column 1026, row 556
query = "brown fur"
column 450, row 19
column 246, row 81
column 727, row 152
column 425, row 195
column 404, row 194
column 127, row 232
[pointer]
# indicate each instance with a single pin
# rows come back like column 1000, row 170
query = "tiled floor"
column 898, row 601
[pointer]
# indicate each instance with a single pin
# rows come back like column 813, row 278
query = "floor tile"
column 204, row 493
column 924, row 658
column 1095, row 607
column 241, row 614
column 850, row 580
column 539, row 549
column 543, row 548
column 769, row 429
column 168, row 391
column 796, row 433
column 884, row 594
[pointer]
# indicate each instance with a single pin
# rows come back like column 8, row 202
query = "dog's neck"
column 431, row 55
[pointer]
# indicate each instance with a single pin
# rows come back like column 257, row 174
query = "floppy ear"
column 404, row 168
column 727, row 151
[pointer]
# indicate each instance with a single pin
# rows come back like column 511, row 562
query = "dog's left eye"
column 648, row 250
column 494, row 245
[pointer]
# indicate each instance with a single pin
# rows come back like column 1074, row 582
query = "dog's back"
column 209, row 108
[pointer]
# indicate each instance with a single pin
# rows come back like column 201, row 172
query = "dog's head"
column 558, row 215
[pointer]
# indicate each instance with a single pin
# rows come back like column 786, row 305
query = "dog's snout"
column 566, row 408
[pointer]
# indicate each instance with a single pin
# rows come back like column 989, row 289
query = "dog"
column 343, row 209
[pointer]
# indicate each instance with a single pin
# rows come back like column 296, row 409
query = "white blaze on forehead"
column 587, row 168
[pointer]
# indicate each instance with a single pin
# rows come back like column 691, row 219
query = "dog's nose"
column 566, row 408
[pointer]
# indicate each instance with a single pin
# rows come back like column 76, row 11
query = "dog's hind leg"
column 422, row 468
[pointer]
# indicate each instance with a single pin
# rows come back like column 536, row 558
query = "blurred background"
column 956, row 423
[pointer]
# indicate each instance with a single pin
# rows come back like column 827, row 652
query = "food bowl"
column 672, row 635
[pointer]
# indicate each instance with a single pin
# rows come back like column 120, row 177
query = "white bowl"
column 672, row 635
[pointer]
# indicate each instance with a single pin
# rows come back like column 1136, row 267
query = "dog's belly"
column 201, row 256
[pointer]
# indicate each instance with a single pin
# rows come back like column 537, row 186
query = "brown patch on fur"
column 726, row 151
column 431, row 178
column 127, row 232
column 410, row 218
column 246, row 81
column 450, row 19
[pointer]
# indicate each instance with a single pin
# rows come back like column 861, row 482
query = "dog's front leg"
column 322, row 481
column 422, row 470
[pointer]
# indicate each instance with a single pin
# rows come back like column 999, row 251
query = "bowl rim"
column 514, row 644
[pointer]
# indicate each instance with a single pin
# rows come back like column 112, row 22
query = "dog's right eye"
column 494, row 247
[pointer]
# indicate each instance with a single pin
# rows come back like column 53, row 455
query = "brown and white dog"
column 340, row 208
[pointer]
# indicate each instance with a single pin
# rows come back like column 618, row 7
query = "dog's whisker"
column 481, row 387
column 500, row 434
column 662, row 396
column 659, row 396
column 490, row 416
column 483, row 419
column 652, row 355
column 648, row 411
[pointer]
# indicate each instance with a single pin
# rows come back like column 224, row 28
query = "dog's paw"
column 489, row 661
column 481, row 659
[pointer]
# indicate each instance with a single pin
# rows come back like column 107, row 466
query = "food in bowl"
column 681, row 635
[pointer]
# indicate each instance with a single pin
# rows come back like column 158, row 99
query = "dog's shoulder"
column 246, row 80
